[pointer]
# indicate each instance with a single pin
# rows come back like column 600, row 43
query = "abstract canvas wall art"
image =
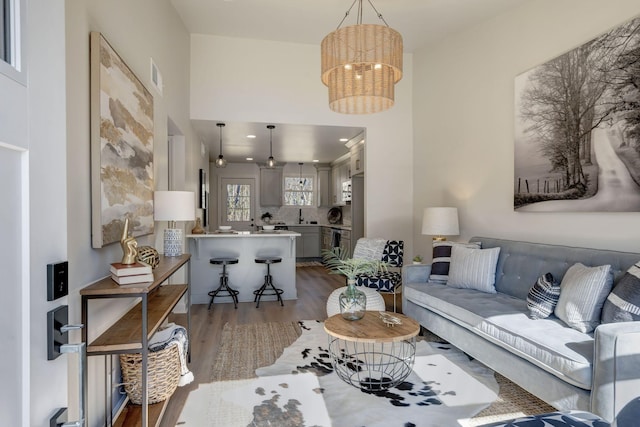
column 121, row 147
column 577, row 128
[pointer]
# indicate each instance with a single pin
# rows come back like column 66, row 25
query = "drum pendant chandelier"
column 361, row 64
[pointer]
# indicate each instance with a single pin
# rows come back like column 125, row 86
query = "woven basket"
column 163, row 374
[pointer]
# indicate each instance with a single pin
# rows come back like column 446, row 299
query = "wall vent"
column 156, row 77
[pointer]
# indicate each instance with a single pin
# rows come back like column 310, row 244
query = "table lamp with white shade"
column 440, row 222
column 173, row 206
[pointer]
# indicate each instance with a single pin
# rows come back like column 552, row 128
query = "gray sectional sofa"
column 597, row 372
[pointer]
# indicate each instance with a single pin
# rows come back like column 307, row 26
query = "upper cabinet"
column 271, row 186
column 357, row 158
column 324, row 186
column 340, row 173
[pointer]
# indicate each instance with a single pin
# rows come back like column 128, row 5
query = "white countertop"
column 340, row 226
column 240, row 234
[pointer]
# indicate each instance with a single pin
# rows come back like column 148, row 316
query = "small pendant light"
column 220, row 161
column 271, row 163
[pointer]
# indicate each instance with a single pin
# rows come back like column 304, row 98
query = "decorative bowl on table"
column 224, row 227
column 268, row 227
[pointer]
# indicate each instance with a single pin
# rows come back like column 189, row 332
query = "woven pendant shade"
column 360, row 66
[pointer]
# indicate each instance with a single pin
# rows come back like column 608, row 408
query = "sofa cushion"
column 503, row 320
column 623, row 303
column 442, row 259
column 543, row 297
column 473, row 268
column 582, row 293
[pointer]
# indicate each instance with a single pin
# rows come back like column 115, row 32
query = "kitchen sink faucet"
column 300, row 219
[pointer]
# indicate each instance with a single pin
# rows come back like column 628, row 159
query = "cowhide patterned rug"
column 301, row 389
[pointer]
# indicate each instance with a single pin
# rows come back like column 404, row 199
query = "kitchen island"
column 247, row 275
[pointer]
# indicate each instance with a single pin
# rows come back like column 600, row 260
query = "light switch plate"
column 57, row 280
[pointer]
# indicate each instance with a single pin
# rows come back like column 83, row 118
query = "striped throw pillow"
column 442, row 259
column 543, row 297
column 473, row 268
column 582, row 293
column 623, row 303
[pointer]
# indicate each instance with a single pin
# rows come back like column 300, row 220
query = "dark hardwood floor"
column 314, row 285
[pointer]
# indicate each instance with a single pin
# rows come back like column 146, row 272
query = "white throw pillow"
column 473, row 268
column 583, row 291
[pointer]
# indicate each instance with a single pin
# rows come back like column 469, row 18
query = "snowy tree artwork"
column 577, row 128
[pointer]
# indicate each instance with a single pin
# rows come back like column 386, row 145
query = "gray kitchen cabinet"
column 326, row 238
column 271, row 186
column 345, row 242
column 357, row 159
column 324, row 186
column 308, row 244
column 340, row 173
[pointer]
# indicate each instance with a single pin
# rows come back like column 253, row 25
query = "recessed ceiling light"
column 344, row 139
column 251, row 136
column 315, row 161
column 249, row 158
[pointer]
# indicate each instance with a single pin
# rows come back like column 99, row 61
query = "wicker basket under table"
column 163, row 374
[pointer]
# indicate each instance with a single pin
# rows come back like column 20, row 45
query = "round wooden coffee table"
column 369, row 354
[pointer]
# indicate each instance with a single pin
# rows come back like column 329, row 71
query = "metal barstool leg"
column 268, row 283
column 224, row 286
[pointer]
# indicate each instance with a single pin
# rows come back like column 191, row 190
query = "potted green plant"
column 417, row 259
column 266, row 217
column 353, row 302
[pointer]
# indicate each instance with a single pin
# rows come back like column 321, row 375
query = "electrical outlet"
column 57, row 280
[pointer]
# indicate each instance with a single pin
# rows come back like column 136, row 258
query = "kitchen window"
column 298, row 191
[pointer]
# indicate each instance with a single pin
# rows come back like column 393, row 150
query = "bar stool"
column 267, row 287
column 224, row 281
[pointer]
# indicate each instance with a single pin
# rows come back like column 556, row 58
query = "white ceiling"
column 421, row 22
column 291, row 143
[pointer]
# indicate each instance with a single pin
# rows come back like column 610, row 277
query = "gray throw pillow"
column 473, row 268
column 543, row 297
column 582, row 293
column 442, row 259
column 623, row 303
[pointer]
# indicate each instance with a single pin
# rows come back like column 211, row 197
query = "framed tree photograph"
column 121, row 147
column 577, row 128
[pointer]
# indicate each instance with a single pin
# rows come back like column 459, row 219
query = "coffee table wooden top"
column 371, row 328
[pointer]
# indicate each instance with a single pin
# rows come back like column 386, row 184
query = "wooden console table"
column 132, row 331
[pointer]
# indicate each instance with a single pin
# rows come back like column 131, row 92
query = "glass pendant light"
column 271, row 163
column 220, row 161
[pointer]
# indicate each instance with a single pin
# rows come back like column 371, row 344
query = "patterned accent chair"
column 390, row 280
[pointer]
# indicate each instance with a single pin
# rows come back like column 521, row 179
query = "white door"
column 14, row 220
column 14, row 364
column 237, row 207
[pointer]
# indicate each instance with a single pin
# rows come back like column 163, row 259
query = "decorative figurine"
column 148, row 255
column 198, row 227
column 129, row 245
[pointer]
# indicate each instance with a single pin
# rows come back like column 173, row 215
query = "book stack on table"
column 131, row 274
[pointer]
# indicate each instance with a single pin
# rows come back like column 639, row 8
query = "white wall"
column 272, row 82
column 464, row 132
column 137, row 30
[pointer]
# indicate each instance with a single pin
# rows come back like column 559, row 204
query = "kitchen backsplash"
column 289, row 215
